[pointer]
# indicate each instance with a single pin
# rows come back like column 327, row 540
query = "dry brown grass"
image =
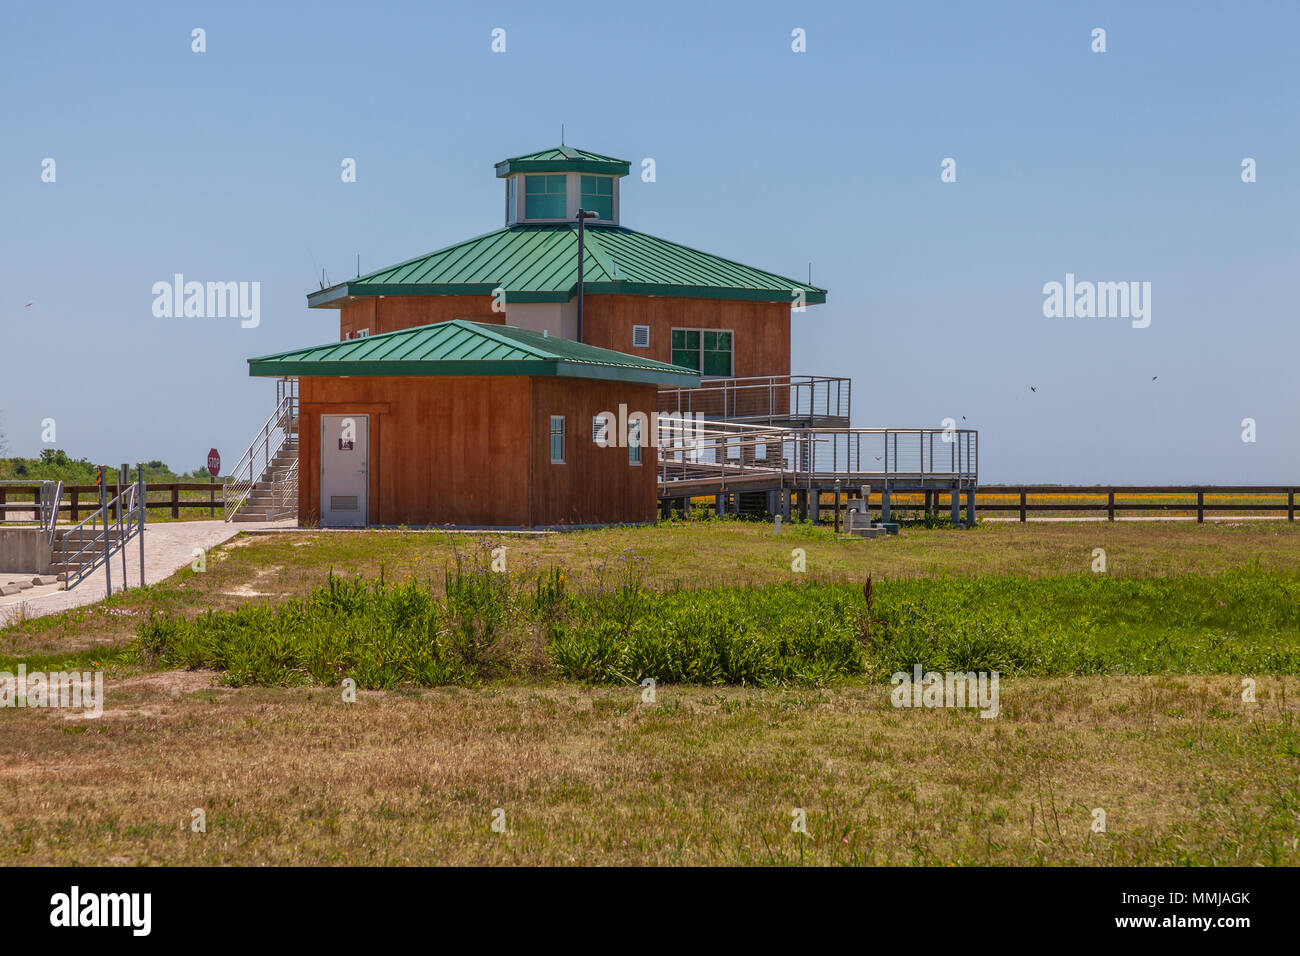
column 1185, row 772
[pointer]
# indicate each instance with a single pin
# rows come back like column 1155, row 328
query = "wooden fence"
column 79, row 500
column 1099, row 498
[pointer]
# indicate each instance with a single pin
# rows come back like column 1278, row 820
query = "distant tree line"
column 55, row 464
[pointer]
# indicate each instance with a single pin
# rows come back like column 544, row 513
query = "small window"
column 707, row 351
column 641, row 336
column 634, row 442
column 512, row 199
column 557, row 439
column 545, row 197
column 599, row 429
column 360, row 333
column 598, row 196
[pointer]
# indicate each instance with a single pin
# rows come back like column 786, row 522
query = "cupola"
column 552, row 185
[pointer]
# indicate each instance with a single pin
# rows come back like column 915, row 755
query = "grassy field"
column 1122, row 692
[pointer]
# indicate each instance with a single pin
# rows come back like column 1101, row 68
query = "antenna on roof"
column 809, row 273
column 322, row 277
column 359, row 267
column 561, row 134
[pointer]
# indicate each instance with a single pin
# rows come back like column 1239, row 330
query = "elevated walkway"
column 727, row 459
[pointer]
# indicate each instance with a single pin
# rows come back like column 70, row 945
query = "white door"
column 344, row 460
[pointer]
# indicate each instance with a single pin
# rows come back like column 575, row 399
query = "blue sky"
column 1115, row 166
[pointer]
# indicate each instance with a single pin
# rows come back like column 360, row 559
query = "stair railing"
column 51, row 499
column 286, row 494
column 255, row 464
column 103, row 533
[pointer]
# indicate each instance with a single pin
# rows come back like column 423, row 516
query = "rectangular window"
column 707, row 351
column 598, row 196
column 545, row 197
column 634, row 442
column 360, row 333
column 512, row 199
column 641, row 336
column 557, row 439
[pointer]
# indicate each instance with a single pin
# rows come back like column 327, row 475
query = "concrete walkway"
column 168, row 547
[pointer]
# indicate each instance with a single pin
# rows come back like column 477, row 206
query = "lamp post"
column 583, row 216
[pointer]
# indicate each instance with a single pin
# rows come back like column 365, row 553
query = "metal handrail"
column 286, row 493
column 807, row 455
column 276, row 430
column 51, row 500
column 764, row 398
column 122, row 504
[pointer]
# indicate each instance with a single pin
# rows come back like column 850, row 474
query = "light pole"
column 583, row 216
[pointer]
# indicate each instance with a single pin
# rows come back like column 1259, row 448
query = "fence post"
column 176, row 501
column 1110, row 506
column 139, row 477
column 1200, row 507
column 103, row 510
column 1022, row 506
column 1290, row 505
column 76, row 512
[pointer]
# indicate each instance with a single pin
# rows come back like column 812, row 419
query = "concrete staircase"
column 68, row 556
column 275, row 494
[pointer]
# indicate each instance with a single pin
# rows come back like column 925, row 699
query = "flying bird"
column 1032, row 388
column 1154, row 377
column 28, row 305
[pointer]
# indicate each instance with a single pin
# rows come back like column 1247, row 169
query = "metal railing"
column 722, row 451
column 51, row 497
column 255, row 464
column 765, row 399
column 104, row 533
column 286, row 494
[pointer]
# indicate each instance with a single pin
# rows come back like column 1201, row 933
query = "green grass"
column 483, row 626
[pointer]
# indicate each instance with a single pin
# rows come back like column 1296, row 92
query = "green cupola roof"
column 563, row 159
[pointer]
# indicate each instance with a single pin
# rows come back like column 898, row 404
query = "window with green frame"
column 707, row 351
column 598, row 196
column 634, row 442
column 545, row 197
column 557, row 439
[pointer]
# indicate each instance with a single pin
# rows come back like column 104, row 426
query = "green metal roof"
column 539, row 263
column 563, row 159
column 460, row 347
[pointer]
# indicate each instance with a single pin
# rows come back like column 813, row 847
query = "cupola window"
column 598, row 196
column 545, row 197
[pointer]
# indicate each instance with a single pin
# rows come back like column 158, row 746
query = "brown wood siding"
column 595, row 485
column 761, row 343
column 448, row 450
column 394, row 312
column 460, row 450
column 760, row 346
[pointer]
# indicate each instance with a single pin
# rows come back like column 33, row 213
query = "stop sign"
column 214, row 463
